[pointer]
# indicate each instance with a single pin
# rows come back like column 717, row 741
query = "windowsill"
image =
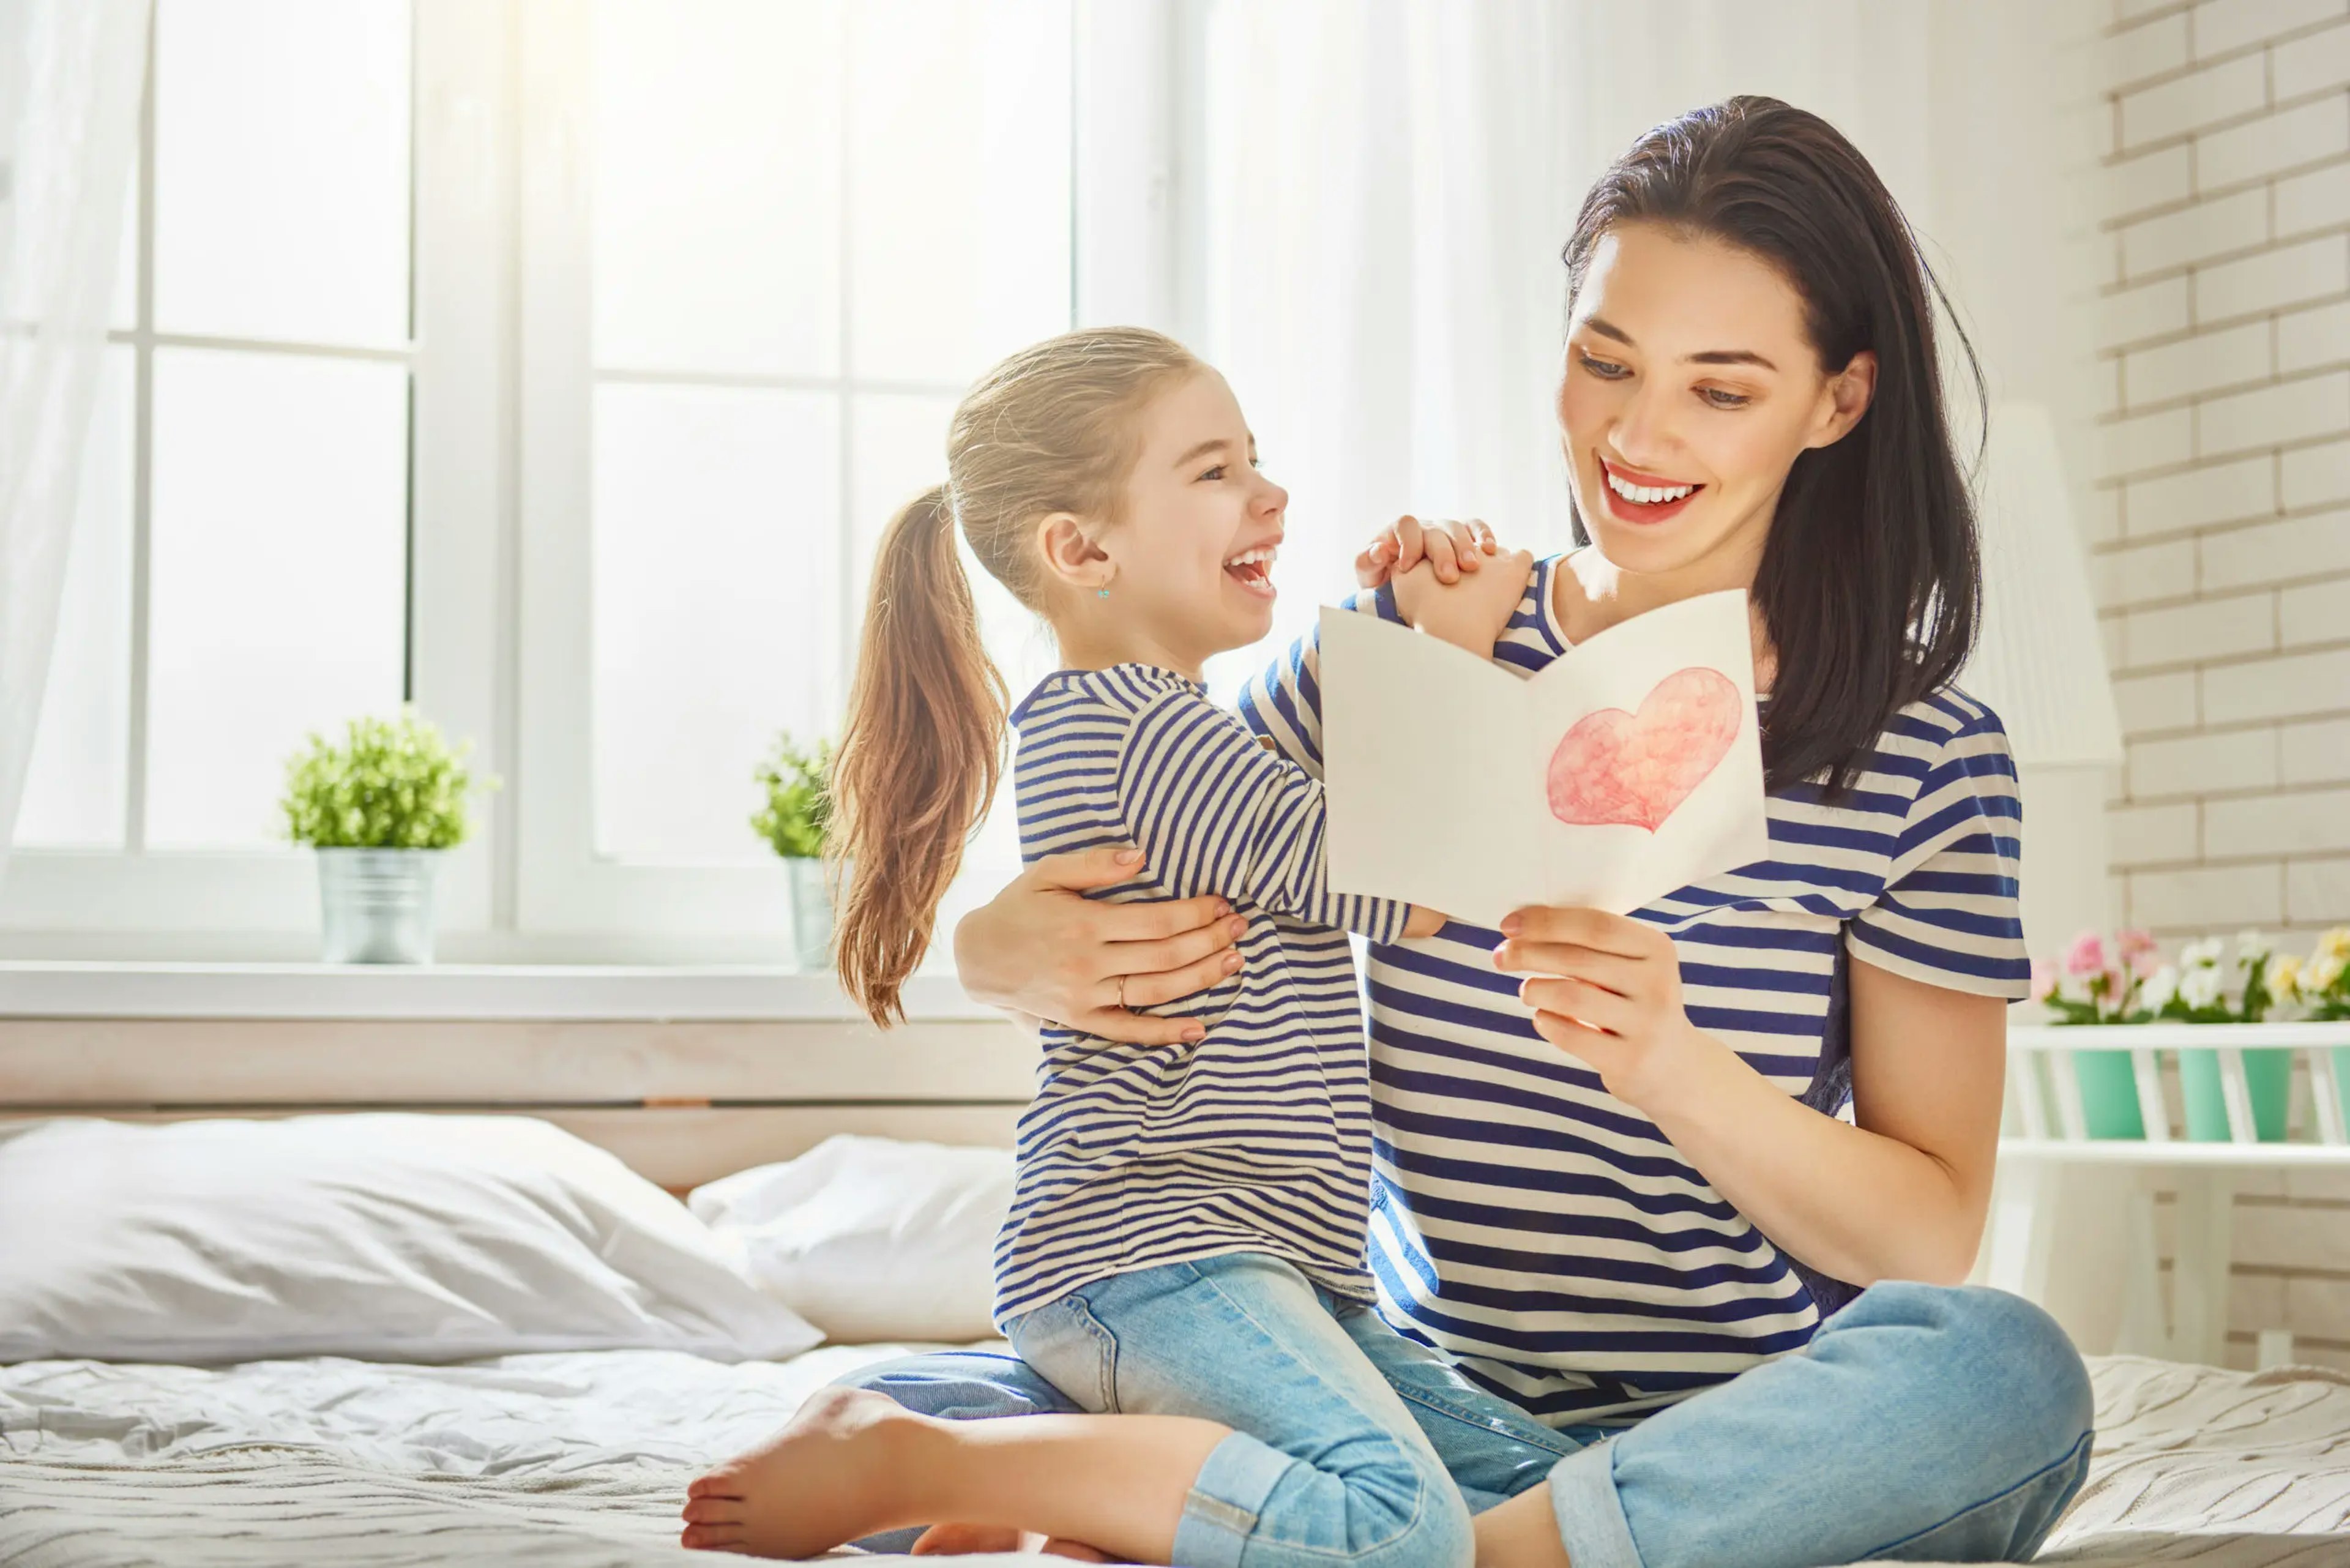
column 522, row 992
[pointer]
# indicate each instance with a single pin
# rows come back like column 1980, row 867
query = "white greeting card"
column 1630, row 766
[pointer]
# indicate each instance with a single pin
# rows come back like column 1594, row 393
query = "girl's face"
column 1191, row 561
column 1689, row 390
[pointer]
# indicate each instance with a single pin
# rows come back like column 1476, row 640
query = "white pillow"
column 870, row 1238
column 387, row 1237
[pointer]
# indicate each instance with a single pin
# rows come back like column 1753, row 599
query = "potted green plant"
column 380, row 810
column 794, row 820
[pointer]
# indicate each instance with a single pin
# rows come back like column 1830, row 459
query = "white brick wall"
column 2221, row 540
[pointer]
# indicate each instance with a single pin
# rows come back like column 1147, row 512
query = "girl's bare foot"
column 827, row 1478
column 967, row 1540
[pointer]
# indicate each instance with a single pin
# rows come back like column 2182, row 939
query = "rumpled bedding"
column 580, row 1460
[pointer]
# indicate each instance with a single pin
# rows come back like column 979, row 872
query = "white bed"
column 574, row 1457
column 578, row 1461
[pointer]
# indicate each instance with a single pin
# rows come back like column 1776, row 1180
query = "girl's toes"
column 713, row 1510
column 711, row 1537
column 723, row 1481
column 958, row 1540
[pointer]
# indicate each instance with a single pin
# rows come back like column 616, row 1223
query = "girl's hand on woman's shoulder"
column 1451, row 548
column 1472, row 612
column 1452, row 579
column 1607, row 989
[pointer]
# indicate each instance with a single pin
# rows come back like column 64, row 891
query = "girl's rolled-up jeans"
column 1922, row 1423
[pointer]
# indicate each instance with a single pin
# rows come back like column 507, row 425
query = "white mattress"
column 580, row 1460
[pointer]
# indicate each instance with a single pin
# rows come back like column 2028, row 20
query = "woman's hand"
column 1042, row 949
column 1451, row 548
column 1607, row 989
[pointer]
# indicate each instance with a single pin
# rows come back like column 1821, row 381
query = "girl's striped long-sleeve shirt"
column 1258, row 1139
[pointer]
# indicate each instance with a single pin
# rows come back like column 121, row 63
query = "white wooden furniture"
column 686, row 1074
column 2074, row 1223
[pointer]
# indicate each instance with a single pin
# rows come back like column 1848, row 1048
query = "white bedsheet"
column 580, row 1460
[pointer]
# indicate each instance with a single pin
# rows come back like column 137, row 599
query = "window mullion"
column 462, row 234
column 143, row 425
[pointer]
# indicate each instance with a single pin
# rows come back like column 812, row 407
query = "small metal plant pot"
column 811, row 912
column 377, row 904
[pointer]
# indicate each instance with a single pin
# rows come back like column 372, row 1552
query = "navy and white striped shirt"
column 1545, row 1234
column 1258, row 1139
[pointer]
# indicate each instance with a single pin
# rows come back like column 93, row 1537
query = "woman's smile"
column 1644, row 499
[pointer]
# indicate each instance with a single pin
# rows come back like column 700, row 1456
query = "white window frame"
column 498, row 581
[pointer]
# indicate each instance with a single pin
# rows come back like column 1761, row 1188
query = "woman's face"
column 1689, row 382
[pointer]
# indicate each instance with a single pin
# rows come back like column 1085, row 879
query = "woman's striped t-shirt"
column 1545, row 1234
column 1257, row 1139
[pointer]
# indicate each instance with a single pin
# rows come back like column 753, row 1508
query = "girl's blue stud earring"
column 1105, row 593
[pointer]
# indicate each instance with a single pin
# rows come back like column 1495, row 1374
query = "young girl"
column 1186, row 1243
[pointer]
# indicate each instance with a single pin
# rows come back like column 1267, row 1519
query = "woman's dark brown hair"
column 1870, row 582
column 1049, row 431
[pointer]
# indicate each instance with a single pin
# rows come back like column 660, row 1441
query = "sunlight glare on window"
column 959, row 164
column 282, row 170
column 716, row 570
column 717, row 186
column 279, row 577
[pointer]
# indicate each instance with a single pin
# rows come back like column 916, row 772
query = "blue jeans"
column 1325, row 1465
column 1923, row 1422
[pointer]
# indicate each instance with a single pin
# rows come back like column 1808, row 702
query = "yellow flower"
column 2283, row 975
column 2322, row 972
column 2335, row 943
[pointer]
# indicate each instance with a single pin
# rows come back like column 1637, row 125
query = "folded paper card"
column 1630, row 766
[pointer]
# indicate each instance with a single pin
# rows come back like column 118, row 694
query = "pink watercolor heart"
column 1615, row 767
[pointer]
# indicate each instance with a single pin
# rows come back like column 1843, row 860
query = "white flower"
column 2321, row 973
column 2250, row 946
column 2199, row 955
column 2160, row 988
column 2201, row 986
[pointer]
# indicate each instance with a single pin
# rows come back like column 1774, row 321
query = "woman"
column 1613, row 1183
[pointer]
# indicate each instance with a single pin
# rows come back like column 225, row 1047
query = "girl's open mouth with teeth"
column 1252, row 569
column 1644, row 498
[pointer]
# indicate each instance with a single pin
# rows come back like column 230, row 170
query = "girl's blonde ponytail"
column 919, row 756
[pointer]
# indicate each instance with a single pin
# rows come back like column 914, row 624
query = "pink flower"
column 2146, row 962
column 2134, row 944
column 2044, row 980
column 2087, row 956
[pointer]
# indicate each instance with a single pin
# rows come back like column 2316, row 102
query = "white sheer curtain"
column 70, row 77
column 1385, row 190
column 1387, row 184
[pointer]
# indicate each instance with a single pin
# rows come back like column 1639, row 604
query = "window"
column 555, row 366
column 239, row 571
